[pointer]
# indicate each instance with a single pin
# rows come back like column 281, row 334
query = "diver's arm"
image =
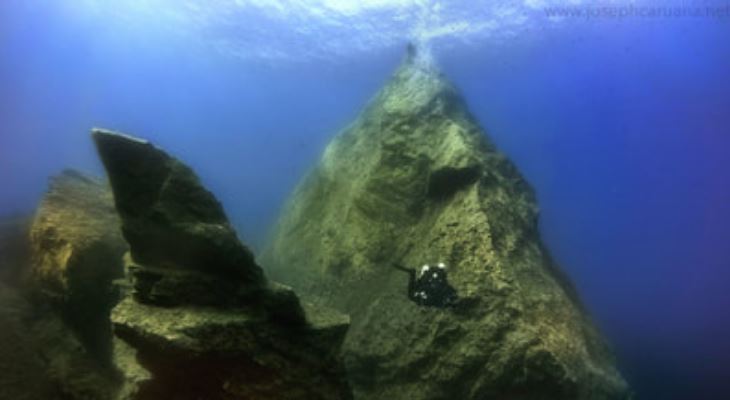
column 411, row 280
column 402, row 268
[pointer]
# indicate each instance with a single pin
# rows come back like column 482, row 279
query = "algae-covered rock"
column 183, row 249
column 41, row 358
column 76, row 373
column 414, row 180
column 22, row 370
column 201, row 316
column 76, row 248
column 14, row 248
column 168, row 217
column 215, row 353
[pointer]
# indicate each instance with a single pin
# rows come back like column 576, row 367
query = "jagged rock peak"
column 168, row 218
column 417, row 85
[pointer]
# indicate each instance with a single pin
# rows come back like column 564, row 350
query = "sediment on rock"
column 414, row 180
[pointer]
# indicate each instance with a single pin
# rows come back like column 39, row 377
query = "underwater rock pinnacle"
column 183, row 249
column 202, row 318
column 413, row 181
column 169, row 219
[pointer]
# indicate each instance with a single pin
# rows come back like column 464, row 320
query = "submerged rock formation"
column 183, row 249
column 202, row 317
column 56, row 332
column 76, row 249
column 414, row 180
column 14, row 248
column 22, row 371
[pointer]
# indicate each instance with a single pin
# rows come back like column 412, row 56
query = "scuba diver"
column 430, row 287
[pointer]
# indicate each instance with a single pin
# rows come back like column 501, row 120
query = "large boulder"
column 203, row 319
column 222, row 353
column 76, row 253
column 184, row 249
column 169, row 219
column 56, row 331
column 415, row 180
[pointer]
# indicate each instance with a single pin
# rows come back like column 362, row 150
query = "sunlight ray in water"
column 327, row 29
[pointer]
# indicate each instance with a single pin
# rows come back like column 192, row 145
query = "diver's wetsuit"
column 431, row 288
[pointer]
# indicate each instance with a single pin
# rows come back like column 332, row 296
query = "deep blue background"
column 622, row 127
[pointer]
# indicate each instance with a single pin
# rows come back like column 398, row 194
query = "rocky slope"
column 204, row 320
column 414, row 180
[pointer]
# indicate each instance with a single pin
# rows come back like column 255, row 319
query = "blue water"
column 622, row 125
